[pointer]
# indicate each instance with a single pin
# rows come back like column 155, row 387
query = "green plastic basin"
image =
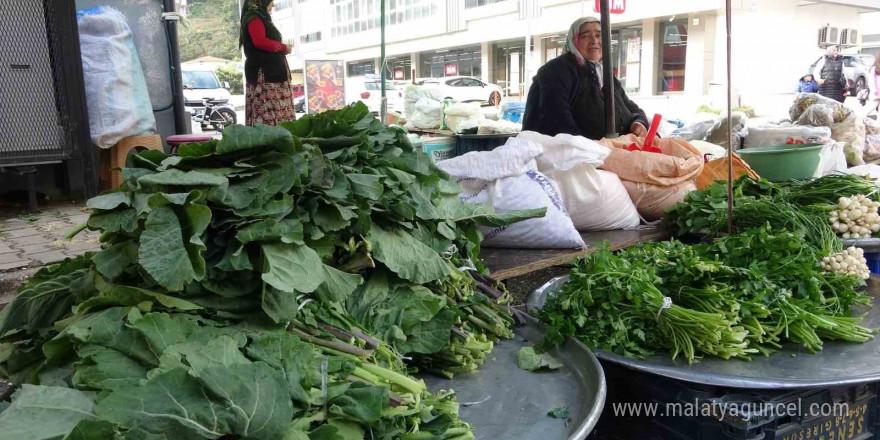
column 783, row 162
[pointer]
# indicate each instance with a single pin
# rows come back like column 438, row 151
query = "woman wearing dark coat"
column 566, row 95
column 829, row 74
column 268, row 95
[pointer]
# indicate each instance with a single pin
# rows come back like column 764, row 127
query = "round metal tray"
column 502, row 401
column 868, row 244
column 838, row 364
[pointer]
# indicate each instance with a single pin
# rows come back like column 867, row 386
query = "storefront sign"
column 451, row 69
column 324, row 88
column 398, row 74
column 616, row 6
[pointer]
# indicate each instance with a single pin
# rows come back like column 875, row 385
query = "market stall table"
column 509, row 263
column 842, row 373
column 502, row 401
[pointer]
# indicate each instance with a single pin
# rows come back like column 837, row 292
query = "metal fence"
column 43, row 117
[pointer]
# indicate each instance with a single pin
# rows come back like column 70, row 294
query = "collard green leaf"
column 287, row 231
column 197, row 149
column 458, row 210
column 297, row 359
column 106, row 328
column 163, row 330
column 112, row 261
column 255, row 395
column 102, row 368
column 175, row 177
column 429, row 337
column 162, row 252
column 407, row 256
column 44, row 413
column 561, row 412
column 108, row 201
column 38, row 306
column 297, row 268
column 172, row 399
column 118, row 295
column 114, row 221
column 362, row 402
column 530, row 360
column 89, row 429
column 240, row 138
column 222, row 351
column 366, row 185
column 281, row 306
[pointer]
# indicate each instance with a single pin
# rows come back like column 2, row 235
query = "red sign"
column 451, row 69
column 398, row 74
column 615, row 6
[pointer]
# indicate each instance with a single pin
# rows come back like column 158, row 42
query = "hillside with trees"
column 210, row 29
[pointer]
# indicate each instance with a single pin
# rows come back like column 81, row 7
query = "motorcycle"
column 215, row 113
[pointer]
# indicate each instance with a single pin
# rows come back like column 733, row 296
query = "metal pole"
column 181, row 125
column 383, row 106
column 729, row 117
column 607, row 77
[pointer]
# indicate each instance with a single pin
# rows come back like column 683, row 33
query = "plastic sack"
column 832, row 159
column 488, row 126
column 652, row 201
column 718, row 133
column 709, row 150
column 769, row 135
column 870, row 170
column 872, row 126
column 872, row 147
column 803, row 101
column 116, row 90
column 717, row 170
column 427, row 113
column 851, row 132
column 596, row 200
column 678, row 162
column 414, row 93
column 456, row 113
column 507, row 179
column 564, row 151
column 818, row 115
column 697, row 131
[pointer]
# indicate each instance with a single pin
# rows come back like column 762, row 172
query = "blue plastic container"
column 513, row 110
column 873, row 259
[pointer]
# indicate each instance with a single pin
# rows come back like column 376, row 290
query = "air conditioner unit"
column 849, row 37
column 829, row 36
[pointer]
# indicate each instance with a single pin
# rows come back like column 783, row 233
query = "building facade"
column 659, row 48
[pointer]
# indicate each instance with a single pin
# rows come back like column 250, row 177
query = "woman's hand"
column 287, row 49
column 638, row 129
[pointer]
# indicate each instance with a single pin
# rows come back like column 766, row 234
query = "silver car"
column 855, row 68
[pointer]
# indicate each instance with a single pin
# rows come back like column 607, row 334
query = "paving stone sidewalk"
column 34, row 240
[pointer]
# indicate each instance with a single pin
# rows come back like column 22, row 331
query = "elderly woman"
column 268, row 97
column 829, row 74
column 566, row 95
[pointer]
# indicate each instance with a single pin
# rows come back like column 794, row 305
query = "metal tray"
column 503, row 402
column 868, row 244
column 838, row 364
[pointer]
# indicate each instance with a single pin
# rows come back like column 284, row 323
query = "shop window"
column 361, row 68
column 673, row 55
column 477, row 3
column 626, row 55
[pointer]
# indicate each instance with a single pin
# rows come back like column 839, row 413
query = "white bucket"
column 439, row 148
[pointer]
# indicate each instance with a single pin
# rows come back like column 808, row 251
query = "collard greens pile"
column 280, row 283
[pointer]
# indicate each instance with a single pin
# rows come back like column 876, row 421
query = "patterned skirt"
column 268, row 103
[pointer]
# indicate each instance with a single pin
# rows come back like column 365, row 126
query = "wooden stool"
column 117, row 155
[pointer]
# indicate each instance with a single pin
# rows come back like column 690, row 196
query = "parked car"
column 299, row 104
column 855, row 68
column 465, row 89
column 368, row 89
column 298, row 90
column 201, row 84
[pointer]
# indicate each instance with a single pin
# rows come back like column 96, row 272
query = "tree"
column 232, row 75
column 211, row 29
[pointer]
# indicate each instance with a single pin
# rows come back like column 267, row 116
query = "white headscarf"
column 830, row 50
column 570, row 44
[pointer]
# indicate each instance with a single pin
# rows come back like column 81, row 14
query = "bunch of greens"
column 735, row 297
column 798, row 206
column 297, row 265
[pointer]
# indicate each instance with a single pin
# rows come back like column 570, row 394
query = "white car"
column 465, row 89
column 368, row 89
column 201, row 84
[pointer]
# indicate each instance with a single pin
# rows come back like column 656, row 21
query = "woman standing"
column 268, row 95
column 829, row 74
column 874, row 85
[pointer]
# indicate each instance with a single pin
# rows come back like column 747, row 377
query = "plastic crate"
column 513, row 111
column 709, row 420
column 465, row 143
column 873, row 259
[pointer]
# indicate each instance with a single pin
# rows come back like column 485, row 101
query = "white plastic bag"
column 768, row 135
column 872, row 147
column 507, row 179
column 455, row 114
column 831, row 159
column 414, row 93
column 595, row 200
column 869, row 170
column 852, row 133
column 116, row 90
column 427, row 113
